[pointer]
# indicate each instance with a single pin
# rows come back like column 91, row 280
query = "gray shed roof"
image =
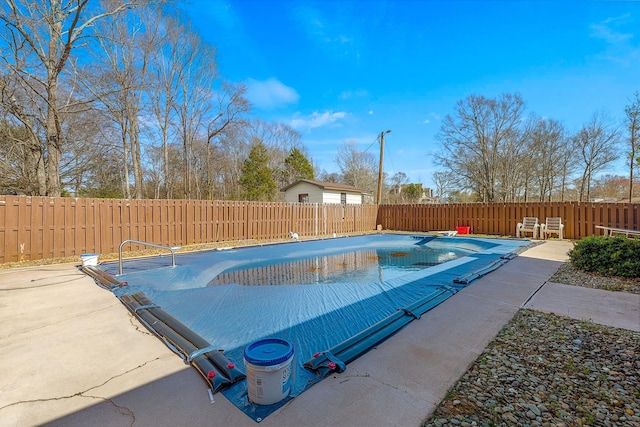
column 326, row 186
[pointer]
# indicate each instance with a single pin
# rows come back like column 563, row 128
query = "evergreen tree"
column 257, row 178
column 297, row 166
column 413, row 192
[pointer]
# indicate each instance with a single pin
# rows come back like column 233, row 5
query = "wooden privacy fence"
column 579, row 218
column 34, row 228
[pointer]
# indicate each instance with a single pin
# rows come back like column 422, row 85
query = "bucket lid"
column 268, row 351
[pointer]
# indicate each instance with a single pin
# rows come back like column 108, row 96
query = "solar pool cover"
column 331, row 316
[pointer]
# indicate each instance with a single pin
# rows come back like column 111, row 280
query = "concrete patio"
column 73, row 355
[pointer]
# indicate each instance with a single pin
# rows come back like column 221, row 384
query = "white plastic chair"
column 552, row 225
column 528, row 225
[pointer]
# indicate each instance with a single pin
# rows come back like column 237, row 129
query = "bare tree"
column 480, row 141
column 39, row 39
column 328, row 176
column 511, row 175
column 231, row 150
column 18, row 162
column 280, row 140
column 218, row 165
column 610, row 188
column 357, row 168
column 168, row 69
column 119, row 80
column 397, row 182
column 231, row 107
column 547, row 150
column 597, row 145
column 23, row 152
column 86, row 151
column 398, row 179
column 445, row 182
column 632, row 124
column 193, row 102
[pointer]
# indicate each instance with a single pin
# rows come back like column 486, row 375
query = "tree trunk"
column 125, row 164
column 134, row 138
column 54, row 148
column 632, row 160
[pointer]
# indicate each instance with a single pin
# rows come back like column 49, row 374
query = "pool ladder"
column 169, row 248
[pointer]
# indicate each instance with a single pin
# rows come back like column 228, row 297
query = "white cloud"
column 607, row 30
column 223, row 13
column 430, row 117
column 317, row 120
column 326, row 32
column 618, row 33
column 371, row 112
column 270, row 94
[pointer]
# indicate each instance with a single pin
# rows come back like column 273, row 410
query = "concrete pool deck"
column 73, row 355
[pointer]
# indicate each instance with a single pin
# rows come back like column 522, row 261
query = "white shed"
column 308, row 191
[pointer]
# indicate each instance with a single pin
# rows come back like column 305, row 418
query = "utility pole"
column 382, row 134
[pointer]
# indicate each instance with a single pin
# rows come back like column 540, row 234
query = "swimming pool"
column 320, row 295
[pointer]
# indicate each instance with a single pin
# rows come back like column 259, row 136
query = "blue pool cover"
column 329, row 324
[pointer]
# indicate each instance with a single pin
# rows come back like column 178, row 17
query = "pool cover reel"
column 215, row 368
column 465, row 279
column 102, row 278
column 335, row 359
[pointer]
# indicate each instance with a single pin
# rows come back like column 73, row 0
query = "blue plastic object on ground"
column 268, row 352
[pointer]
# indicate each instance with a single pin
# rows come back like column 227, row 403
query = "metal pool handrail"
column 172, row 249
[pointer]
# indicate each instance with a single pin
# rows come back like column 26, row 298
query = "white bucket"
column 89, row 259
column 268, row 364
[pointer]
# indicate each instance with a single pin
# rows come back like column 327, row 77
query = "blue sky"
column 350, row 69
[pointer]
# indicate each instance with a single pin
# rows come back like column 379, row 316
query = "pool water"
column 360, row 259
column 358, row 266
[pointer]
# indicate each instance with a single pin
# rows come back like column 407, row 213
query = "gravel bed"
column 569, row 275
column 549, row 370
